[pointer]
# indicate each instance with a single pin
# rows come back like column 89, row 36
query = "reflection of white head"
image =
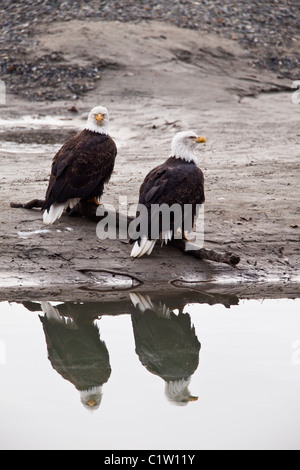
column 178, row 393
column 98, row 120
column 184, row 144
column 91, row 398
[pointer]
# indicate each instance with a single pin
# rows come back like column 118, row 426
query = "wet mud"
column 184, row 81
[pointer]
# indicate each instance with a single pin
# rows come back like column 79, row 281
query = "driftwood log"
column 88, row 210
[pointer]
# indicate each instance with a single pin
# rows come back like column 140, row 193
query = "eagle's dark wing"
column 166, row 346
column 173, row 182
column 81, row 167
column 77, row 354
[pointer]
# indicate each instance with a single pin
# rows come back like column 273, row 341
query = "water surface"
column 150, row 374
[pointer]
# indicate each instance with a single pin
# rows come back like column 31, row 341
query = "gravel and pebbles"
column 268, row 29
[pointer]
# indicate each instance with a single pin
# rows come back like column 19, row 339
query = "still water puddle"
column 150, row 373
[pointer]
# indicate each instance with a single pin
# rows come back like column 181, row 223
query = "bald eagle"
column 177, row 181
column 166, row 344
column 77, row 353
column 81, row 167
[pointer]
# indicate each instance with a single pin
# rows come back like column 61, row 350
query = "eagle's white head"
column 178, row 393
column 91, row 399
column 184, row 145
column 98, row 120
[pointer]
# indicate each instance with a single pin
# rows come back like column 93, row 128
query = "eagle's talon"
column 94, row 200
column 185, row 237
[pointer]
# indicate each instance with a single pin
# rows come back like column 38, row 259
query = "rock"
column 267, row 29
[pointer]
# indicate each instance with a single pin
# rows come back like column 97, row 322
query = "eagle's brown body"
column 176, row 181
column 166, row 345
column 81, row 168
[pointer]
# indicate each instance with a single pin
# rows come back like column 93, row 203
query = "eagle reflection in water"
column 77, row 353
column 165, row 342
column 166, row 345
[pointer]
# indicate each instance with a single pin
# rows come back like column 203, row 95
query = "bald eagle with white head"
column 81, row 167
column 177, row 181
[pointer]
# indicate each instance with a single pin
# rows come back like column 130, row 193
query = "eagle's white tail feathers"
column 145, row 248
column 51, row 312
column 72, row 202
column 53, row 315
column 56, row 210
column 141, row 302
column 166, row 236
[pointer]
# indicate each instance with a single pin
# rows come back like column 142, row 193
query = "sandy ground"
column 168, row 79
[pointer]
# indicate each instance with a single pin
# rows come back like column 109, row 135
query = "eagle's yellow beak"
column 99, row 117
column 91, row 402
column 191, row 398
column 200, row 140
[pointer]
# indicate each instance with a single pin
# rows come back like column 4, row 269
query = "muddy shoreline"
column 184, row 80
